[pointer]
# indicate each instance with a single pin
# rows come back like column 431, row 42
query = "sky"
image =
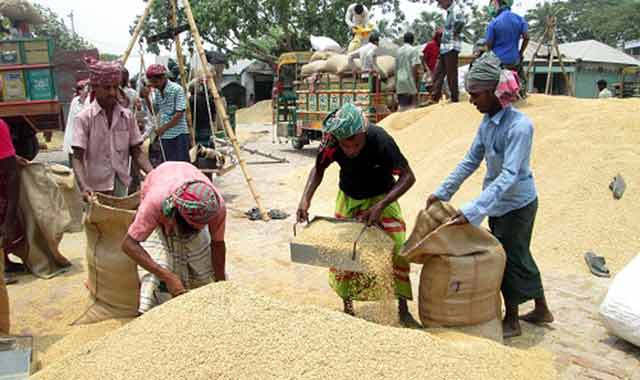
column 106, row 23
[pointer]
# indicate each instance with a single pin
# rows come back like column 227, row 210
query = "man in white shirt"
column 77, row 105
column 357, row 16
column 603, row 91
column 368, row 55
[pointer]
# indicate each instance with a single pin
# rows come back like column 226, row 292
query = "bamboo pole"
column 548, row 87
column 564, row 72
column 535, row 54
column 136, row 32
column 220, row 108
column 183, row 75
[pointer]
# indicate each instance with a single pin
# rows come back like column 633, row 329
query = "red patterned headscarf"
column 155, row 70
column 102, row 73
column 196, row 201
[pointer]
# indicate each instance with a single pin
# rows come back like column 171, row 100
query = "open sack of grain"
column 65, row 180
column 45, row 218
column 462, row 269
column 225, row 331
column 113, row 276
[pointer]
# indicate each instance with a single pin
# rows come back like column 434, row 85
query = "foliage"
column 55, row 28
column 263, row 29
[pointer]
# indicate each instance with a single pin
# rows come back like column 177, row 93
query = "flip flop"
column 597, row 264
column 618, row 186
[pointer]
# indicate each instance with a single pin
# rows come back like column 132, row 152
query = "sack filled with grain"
column 387, row 64
column 462, row 269
column 64, row 178
column 113, row 276
column 313, row 68
column 338, row 64
column 45, row 218
column 21, row 10
column 321, row 55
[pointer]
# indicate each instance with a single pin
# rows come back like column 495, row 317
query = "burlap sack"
column 45, row 218
column 4, row 298
column 387, row 64
column 20, row 10
column 338, row 64
column 462, row 271
column 64, row 178
column 321, row 56
column 113, row 276
column 313, row 68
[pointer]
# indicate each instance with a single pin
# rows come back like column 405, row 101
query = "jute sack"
column 321, row 56
column 64, row 178
column 387, row 64
column 113, row 276
column 20, row 10
column 462, row 271
column 4, row 297
column 45, row 218
column 313, row 68
column 339, row 64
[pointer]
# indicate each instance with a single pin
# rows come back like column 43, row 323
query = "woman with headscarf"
column 177, row 236
column 369, row 161
column 509, row 197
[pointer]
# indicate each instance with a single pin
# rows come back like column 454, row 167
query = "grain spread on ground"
column 259, row 113
column 579, row 145
column 224, row 331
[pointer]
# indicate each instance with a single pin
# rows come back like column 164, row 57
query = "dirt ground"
column 258, row 256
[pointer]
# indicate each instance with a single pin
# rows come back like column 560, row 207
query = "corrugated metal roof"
column 238, row 67
column 596, row 51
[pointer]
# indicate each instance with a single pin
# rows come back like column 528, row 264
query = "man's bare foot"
column 538, row 316
column 511, row 329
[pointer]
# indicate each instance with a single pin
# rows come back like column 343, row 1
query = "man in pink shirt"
column 177, row 236
column 105, row 136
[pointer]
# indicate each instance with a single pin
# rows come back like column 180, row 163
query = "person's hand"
column 372, row 215
column 431, row 200
column 87, row 195
column 21, row 161
column 303, row 212
column 458, row 220
column 174, row 284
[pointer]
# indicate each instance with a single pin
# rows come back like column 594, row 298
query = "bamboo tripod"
column 549, row 37
column 213, row 90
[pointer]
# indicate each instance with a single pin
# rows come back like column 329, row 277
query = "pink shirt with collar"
column 161, row 183
column 107, row 148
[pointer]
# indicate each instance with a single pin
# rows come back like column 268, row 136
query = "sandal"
column 597, row 264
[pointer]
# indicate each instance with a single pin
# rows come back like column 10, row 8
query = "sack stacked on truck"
column 113, row 276
column 45, row 218
column 620, row 311
column 462, row 269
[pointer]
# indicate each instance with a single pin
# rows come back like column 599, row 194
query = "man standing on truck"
column 369, row 160
column 105, row 136
column 368, row 55
column 509, row 196
column 450, row 47
column 407, row 81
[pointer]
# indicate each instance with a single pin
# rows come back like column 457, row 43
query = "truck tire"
column 297, row 143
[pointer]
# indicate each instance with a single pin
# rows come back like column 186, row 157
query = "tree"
column 55, row 28
column 425, row 26
column 263, row 29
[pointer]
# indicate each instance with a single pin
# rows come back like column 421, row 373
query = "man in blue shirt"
column 504, row 32
column 509, row 197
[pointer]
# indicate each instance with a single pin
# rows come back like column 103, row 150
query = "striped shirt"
column 166, row 103
column 455, row 17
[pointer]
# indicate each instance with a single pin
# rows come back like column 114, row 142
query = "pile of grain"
column 374, row 251
column 224, row 331
column 579, row 145
column 259, row 113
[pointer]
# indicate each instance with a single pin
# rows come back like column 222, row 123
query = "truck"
column 29, row 99
column 300, row 104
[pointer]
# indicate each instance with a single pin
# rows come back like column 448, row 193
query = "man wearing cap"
column 169, row 103
column 509, row 197
column 105, row 136
column 369, row 161
column 177, row 236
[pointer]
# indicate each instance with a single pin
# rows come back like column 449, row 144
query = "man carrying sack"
column 369, row 159
column 105, row 136
column 177, row 237
column 509, row 195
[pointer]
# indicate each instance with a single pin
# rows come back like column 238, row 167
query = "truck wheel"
column 297, row 143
